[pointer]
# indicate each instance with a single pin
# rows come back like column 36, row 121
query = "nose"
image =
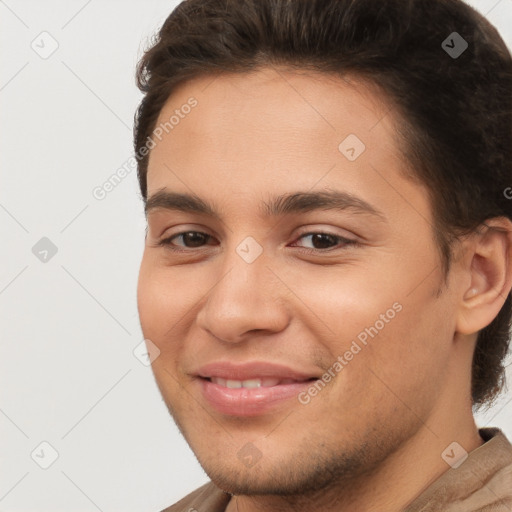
column 246, row 298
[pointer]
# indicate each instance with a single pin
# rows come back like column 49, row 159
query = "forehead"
column 274, row 129
column 277, row 103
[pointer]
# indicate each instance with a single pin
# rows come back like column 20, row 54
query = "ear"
column 489, row 271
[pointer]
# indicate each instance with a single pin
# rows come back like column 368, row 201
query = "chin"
column 297, row 476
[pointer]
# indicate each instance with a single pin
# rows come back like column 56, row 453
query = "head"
column 347, row 215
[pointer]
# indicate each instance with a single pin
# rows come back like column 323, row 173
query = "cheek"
column 162, row 301
column 161, row 313
column 148, row 303
column 374, row 319
column 407, row 359
column 344, row 303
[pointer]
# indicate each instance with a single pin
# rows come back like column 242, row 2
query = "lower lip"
column 249, row 401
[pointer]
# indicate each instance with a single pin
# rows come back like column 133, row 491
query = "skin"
column 373, row 438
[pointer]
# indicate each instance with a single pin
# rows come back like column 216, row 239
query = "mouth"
column 265, row 382
column 251, row 389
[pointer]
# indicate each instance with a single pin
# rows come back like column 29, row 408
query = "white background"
column 69, row 326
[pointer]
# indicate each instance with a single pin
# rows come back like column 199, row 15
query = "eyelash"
column 166, row 242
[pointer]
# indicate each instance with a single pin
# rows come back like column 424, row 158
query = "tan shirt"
column 482, row 483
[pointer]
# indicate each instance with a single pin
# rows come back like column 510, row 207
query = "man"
column 327, row 272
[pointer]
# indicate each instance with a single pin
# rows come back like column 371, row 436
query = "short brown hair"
column 455, row 111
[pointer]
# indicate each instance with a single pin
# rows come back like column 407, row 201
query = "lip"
column 252, row 370
column 250, row 401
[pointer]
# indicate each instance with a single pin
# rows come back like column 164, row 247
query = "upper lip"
column 251, row 370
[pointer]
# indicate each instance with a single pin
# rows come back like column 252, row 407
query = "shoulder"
column 481, row 483
column 207, row 498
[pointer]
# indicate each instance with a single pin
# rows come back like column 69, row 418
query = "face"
column 301, row 337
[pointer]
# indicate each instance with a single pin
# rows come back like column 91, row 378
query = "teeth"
column 233, row 384
column 250, row 383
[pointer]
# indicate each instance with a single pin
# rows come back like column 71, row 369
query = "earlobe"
column 490, row 270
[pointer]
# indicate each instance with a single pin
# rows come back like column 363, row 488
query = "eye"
column 321, row 238
column 195, row 240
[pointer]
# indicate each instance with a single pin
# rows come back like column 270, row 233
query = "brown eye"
column 323, row 242
column 191, row 239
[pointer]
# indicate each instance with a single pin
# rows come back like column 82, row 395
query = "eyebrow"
column 285, row 204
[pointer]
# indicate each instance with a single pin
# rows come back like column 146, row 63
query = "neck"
column 398, row 480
